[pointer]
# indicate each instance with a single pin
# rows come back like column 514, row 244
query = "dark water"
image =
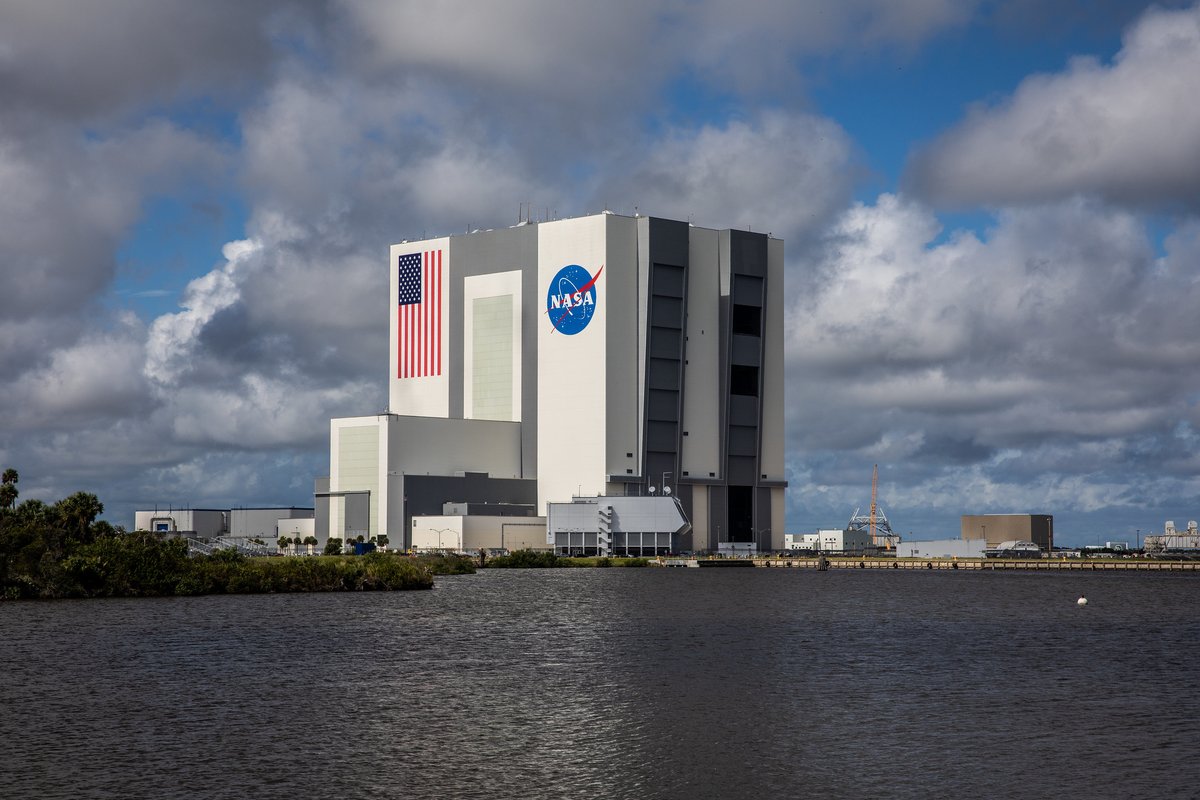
column 615, row 683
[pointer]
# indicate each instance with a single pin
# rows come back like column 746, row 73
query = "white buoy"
column 1081, row 601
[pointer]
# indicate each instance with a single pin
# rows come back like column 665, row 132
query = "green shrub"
column 447, row 564
column 525, row 559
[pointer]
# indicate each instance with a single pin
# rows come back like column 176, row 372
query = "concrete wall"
column 942, row 548
column 262, row 523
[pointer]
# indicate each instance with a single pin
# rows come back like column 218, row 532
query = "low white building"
column 235, row 525
column 296, row 527
column 200, row 523
column 264, row 523
column 626, row 526
column 942, row 548
column 475, row 532
column 833, row 540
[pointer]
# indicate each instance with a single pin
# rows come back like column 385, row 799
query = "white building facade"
column 833, row 540
column 597, row 356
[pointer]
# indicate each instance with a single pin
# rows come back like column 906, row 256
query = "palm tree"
column 8, row 489
column 8, row 496
column 78, row 513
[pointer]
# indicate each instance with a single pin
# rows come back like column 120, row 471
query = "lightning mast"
column 876, row 522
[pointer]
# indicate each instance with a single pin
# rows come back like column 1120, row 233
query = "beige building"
column 1000, row 528
column 474, row 532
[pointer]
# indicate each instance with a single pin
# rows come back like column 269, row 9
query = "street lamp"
column 439, row 532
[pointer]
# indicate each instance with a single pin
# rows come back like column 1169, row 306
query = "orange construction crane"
column 874, row 491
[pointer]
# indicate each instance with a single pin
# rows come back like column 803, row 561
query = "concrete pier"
column 975, row 564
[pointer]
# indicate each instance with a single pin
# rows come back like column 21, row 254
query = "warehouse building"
column 623, row 526
column 266, row 524
column 581, row 358
column 996, row 529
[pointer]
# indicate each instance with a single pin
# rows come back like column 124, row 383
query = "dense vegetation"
column 532, row 559
column 447, row 564
column 61, row 550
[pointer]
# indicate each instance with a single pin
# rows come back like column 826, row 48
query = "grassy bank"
column 541, row 559
column 144, row 565
column 448, row 564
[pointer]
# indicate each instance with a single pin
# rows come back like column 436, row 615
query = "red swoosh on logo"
column 587, row 287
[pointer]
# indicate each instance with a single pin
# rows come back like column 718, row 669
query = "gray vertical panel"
column 358, row 515
column 482, row 254
column 624, row 346
column 321, row 509
column 773, row 381
column 700, row 453
column 668, row 253
column 398, row 496
column 745, row 282
column 485, row 253
column 762, row 518
column 718, row 515
column 688, row 542
column 532, row 302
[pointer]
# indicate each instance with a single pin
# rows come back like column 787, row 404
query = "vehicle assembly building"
column 602, row 356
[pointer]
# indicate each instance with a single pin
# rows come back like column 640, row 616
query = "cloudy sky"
column 991, row 209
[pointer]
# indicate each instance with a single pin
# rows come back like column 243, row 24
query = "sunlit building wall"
column 599, row 356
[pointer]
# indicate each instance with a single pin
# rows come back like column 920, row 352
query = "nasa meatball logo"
column 571, row 299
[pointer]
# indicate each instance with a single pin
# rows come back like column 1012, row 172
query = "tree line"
column 63, row 550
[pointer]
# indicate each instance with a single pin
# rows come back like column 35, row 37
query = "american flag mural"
column 419, row 332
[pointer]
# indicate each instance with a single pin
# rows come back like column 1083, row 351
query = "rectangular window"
column 747, row 320
column 743, row 381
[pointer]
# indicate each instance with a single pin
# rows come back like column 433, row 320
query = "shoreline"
column 969, row 564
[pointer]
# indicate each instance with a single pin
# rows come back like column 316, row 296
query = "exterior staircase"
column 604, row 531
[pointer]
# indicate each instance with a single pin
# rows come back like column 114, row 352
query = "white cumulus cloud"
column 1127, row 131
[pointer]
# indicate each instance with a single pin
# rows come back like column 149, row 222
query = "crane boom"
column 874, row 489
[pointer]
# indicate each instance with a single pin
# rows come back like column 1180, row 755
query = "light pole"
column 439, row 532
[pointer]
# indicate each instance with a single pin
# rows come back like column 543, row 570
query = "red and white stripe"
column 420, row 324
